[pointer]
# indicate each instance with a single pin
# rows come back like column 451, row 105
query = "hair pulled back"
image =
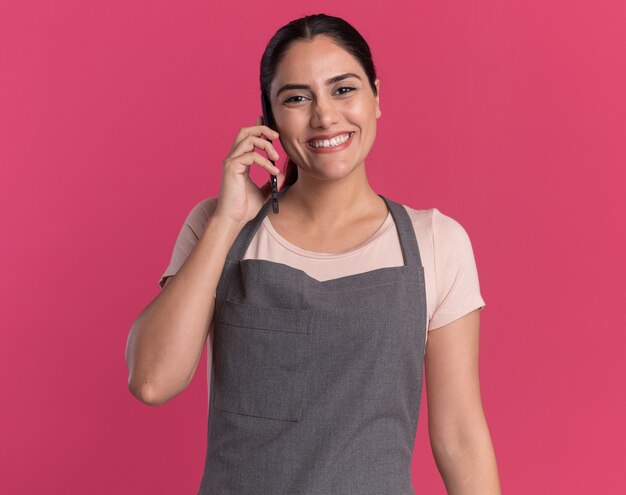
column 306, row 28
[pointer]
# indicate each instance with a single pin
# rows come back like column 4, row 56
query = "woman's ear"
column 378, row 112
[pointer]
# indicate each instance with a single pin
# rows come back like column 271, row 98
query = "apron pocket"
column 262, row 357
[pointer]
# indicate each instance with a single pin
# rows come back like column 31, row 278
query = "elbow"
column 151, row 384
column 141, row 388
column 468, row 441
column 140, row 393
column 144, row 393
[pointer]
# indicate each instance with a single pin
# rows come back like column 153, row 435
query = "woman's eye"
column 291, row 100
column 346, row 87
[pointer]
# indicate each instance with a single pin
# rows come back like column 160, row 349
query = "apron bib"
column 315, row 385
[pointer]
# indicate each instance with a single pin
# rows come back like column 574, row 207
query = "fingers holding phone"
column 240, row 198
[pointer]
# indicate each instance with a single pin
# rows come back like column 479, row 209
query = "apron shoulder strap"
column 406, row 233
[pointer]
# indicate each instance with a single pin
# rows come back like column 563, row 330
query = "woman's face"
column 308, row 105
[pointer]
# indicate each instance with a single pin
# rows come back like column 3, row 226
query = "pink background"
column 114, row 119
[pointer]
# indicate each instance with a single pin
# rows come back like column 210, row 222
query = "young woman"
column 318, row 316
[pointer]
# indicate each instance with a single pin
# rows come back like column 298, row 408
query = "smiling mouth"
column 331, row 143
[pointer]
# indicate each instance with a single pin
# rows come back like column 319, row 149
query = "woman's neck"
column 331, row 204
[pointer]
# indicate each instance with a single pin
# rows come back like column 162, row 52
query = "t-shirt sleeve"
column 190, row 232
column 456, row 275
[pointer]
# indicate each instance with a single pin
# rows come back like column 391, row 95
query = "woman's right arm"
column 166, row 340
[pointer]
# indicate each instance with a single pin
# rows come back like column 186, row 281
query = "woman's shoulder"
column 450, row 267
column 434, row 223
column 441, row 238
column 200, row 213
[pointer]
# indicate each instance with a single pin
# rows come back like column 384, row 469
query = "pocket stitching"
column 266, row 318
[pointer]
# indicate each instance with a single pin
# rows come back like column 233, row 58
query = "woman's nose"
column 324, row 113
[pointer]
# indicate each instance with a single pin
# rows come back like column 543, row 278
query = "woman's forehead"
column 314, row 62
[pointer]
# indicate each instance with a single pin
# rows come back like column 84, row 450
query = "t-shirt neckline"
column 385, row 226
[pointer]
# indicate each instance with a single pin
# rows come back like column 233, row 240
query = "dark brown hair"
column 306, row 28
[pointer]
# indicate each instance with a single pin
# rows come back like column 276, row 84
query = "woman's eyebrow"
column 332, row 80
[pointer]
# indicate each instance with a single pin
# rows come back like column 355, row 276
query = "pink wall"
column 114, row 118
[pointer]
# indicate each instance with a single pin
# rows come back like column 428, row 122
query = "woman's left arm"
column 459, row 436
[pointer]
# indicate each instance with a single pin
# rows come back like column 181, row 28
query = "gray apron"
column 315, row 386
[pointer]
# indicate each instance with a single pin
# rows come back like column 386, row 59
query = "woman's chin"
column 330, row 172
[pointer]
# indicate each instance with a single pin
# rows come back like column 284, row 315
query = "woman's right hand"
column 240, row 199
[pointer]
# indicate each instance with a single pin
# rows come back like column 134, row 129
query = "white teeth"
column 328, row 143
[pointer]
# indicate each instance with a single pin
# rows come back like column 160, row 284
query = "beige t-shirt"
column 451, row 277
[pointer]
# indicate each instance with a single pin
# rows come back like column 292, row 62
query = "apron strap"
column 406, row 233
column 240, row 246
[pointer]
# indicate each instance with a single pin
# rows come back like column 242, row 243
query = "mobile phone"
column 269, row 122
